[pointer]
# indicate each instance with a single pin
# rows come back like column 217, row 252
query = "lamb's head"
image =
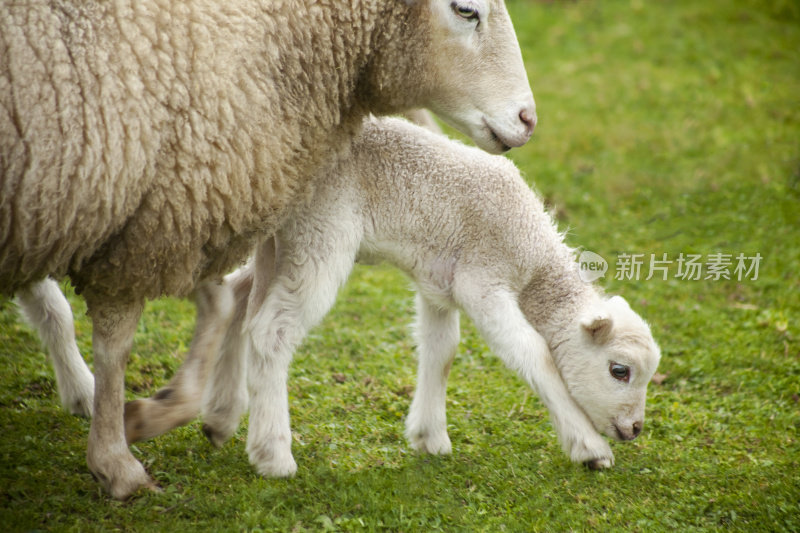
column 606, row 363
column 460, row 59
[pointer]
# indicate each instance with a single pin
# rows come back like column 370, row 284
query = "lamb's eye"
column 465, row 11
column 620, row 372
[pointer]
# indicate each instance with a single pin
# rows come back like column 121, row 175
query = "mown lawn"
column 665, row 128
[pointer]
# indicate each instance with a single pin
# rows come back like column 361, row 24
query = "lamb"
column 471, row 235
column 146, row 146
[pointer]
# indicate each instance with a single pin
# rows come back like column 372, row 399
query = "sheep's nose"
column 528, row 117
column 637, row 428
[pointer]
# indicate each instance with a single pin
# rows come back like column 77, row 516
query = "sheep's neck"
column 395, row 51
column 345, row 64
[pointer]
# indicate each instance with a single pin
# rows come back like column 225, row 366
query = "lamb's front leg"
column 499, row 319
column 437, row 332
column 301, row 294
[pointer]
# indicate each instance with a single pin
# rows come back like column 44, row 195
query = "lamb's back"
column 444, row 198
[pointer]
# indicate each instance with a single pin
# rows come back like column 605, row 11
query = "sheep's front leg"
column 499, row 319
column 437, row 332
column 109, row 459
column 180, row 401
column 301, row 294
column 47, row 309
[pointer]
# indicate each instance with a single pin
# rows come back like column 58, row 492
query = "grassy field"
column 665, row 128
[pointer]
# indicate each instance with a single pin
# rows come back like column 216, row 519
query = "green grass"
column 665, row 127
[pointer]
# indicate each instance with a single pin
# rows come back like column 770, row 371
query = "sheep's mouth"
column 504, row 147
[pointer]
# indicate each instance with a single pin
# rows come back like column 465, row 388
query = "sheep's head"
column 606, row 363
column 482, row 88
column 460, row 59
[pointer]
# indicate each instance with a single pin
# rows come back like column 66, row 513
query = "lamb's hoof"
column 79, row 399
column 285, row 468
column 593, row 451
column 278, row 469
column 215, row 437
column 599, row 464
column 437, row 443
column 122, row 476
column 80, row 407
column 218, row 427
column 273, row 461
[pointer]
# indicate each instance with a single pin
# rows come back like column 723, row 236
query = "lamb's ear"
column 598, row 327
column 619, row 300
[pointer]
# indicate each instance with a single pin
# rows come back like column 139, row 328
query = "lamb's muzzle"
column 628, row 433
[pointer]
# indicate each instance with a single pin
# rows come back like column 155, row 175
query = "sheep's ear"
column 598, row 327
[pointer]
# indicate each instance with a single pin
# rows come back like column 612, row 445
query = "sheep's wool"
column 144, row 144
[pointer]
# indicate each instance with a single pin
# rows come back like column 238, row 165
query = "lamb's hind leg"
column 500, row 321
column 180, row 401
column 47, row 309
column 437, row 332
column 302, row 293
column 107, row 454
column 225, row 397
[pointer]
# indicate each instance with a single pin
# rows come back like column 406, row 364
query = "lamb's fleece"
column 169, row 133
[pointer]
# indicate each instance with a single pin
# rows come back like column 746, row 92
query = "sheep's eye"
column 465, row 12
column 620, row 372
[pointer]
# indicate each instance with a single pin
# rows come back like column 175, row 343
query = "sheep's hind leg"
column 107, row 454
column 47, row 309
column 437, row 332
column 180, row 401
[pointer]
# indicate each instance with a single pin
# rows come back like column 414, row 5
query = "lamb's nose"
column 637, row 428
column 528, row 117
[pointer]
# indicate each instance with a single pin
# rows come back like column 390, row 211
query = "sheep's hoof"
column 598, row 464
column 121, row 475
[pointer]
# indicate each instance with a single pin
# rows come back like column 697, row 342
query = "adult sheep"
column 145, row 145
